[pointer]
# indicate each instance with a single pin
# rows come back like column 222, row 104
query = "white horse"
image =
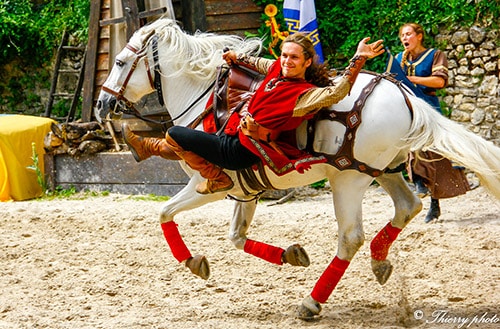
column 388, row 131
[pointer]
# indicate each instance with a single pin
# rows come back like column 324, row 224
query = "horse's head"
column 130, row 79
column 161, row 56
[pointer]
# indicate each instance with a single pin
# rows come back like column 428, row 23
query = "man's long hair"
column 317, row 73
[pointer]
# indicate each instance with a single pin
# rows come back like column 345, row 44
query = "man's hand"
column 370, row 50
column 229, row 57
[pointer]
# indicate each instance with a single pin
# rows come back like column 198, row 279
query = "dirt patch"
column 103, row 263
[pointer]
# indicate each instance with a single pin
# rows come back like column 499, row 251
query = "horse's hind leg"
column 407, row 206
column 186, row 199
column 242, row 218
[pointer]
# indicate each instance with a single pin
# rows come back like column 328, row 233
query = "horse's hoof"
column 309, row 309
column 382, row 270
column 199, row 266
column 296, row 255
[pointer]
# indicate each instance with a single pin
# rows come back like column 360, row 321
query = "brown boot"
column 217, row 179
column 143, row 148
column 221, row 182
column 355, row 66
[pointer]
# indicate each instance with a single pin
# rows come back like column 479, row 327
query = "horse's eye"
column 119, row 63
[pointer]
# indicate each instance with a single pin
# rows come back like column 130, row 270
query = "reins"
column 127, row 107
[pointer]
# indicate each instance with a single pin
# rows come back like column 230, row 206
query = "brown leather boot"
column 355, row 66
column 145, row 147
column 217, row 179
column 219, row 183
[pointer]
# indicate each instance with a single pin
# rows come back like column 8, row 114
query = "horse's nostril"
column 99, row 104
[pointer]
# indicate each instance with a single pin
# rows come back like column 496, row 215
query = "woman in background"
column 427, row 69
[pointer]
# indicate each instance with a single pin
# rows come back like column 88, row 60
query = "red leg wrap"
column 175, row 242
column 264, row 251
column 382, row 241
column 329, row 279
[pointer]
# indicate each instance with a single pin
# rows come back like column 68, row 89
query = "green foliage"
column 36, row 167
column 320, row 184
column 60, row 192
column 71, row 193
column 150, row 197
column 31, row 31
column 343, row 23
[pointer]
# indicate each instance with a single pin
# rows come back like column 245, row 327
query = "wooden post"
column 132, row 19
column 131, row 13
column 193, row 15
column 90, row 60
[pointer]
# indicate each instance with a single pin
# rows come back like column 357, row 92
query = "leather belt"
column 252, row 129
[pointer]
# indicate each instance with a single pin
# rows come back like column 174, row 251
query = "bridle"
column 140, row 53
column 125, row 106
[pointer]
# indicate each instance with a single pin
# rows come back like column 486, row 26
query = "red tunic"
column 272, row 107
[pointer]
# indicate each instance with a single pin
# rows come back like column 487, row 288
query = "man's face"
column 293, row 61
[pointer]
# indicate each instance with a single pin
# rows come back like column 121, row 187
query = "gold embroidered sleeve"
column 259, row 64
column 316, row 98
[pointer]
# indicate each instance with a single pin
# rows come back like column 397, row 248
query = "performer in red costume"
column 294, row 89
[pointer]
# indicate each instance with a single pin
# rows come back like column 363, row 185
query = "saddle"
column 234, row 86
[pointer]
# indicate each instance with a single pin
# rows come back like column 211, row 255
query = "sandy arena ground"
column 102, row 262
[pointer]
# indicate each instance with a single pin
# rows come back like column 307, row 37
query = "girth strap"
column 248, row 177
column 344, row 158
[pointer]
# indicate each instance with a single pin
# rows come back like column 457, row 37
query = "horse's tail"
column 432, row 131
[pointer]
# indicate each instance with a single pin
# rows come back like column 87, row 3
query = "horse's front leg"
column 407, row 206
column 242, row 218
column 186, row 199
column 348, row 189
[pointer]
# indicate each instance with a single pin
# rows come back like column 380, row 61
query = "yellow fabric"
column 17, row 133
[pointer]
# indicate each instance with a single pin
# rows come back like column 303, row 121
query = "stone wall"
column 473, row 92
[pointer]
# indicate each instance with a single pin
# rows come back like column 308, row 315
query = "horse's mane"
column 197, row 54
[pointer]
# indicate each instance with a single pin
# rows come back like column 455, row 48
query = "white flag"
column 300, row 16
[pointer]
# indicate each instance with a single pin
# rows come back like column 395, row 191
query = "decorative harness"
column 344, row 158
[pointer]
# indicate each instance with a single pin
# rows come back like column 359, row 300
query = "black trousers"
column 222, row 150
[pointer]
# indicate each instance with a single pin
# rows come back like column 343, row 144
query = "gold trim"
column 440, row 67
column 426, row 53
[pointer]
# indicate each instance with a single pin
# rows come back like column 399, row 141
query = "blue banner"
column 300, row 16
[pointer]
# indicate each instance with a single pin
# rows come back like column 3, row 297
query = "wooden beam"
column 193, row 15
column 217, row 7
column 90, row 60
column 131, row 13
column 233, row 22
